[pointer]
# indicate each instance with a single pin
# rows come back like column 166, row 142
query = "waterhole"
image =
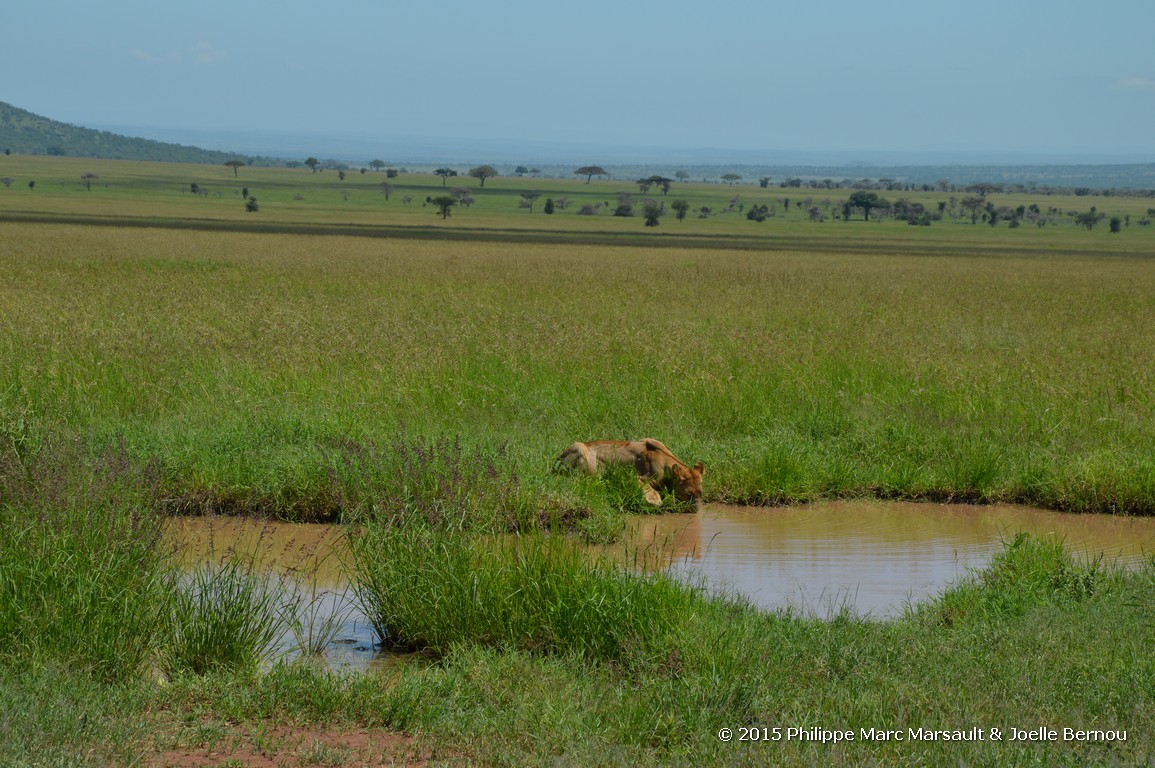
column 870, row 557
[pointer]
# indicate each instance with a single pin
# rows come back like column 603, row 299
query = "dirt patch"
column 286, row 746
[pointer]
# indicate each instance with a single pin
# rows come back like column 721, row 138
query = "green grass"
column 1064, row 656
column 429, row 589
column 423, row 386
column 241, row 364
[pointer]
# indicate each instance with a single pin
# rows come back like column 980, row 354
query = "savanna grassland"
column 338, row 357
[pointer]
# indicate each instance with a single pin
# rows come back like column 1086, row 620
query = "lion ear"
column 700, row 468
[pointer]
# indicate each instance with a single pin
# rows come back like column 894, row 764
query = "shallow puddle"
column 870, row 556
column 311, row 558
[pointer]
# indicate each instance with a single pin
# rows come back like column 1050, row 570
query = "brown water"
column 871, row 556
column 311, row 560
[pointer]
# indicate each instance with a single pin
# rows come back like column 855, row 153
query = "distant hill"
column 26, row 133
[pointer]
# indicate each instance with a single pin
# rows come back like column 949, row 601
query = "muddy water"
column 310, row 560
column 870, row 556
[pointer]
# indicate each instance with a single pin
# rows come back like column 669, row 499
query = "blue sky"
column 1055, row 77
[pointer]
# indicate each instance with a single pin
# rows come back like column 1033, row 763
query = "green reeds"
column 428, row 588
column 224, row 615
column 82, row 575
column 1028, row 573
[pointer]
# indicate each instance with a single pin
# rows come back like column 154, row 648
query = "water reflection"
column 310, row 560
column 870, row 555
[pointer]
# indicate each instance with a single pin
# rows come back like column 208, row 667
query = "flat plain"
column 347, row 356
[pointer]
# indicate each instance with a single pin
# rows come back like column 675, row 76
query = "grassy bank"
column 527, row 651
column 244, row 366
column 1036, row 639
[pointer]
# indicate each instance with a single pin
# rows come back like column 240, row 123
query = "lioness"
column 656, row 466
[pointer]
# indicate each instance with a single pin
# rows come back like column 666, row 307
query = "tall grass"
column 82, row 575
column 431, row 589
column 224, row 616
column 244, row 363
column 1028, row 573
column 438, row 480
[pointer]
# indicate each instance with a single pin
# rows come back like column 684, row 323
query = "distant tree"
column 758, row 212
column 234, row 164
column 87, row 179
column 1116, row 225
column 562, row 203
column 1090, row 219
column 535, row 172
column 312, row 162
column 521, row 170
column 680, row 208
column 548, row 207
column 528, row 199
column 251, row 205
column 589, row 171
column 867, row 201
column 341, row 175
column 386, row 189
column 483, row 172
column 984, row 189
column 444, row 173
column 730, row 178
column 444, row 203
column 682, row 175
column 390, row 173
column 377, row 165
column 463, row 195
column 7, row 181
column 662, row 183
column 764, row 182
column 245, row 192
column 32, row 184
column 974, row 205
column 652, row 211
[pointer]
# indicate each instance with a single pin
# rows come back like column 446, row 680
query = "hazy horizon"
column 1057, row 81
column 362, row 147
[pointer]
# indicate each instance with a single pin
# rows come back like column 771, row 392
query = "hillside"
column 25, row 133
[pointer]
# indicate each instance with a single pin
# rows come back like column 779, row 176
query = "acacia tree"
column 234, row 164
column 377, row 165
column 974, row 205
column 867, row 201
column 527, row 200
column 483, row 172
column 87, row 180
column 313, row 162
column 652, row 211
column 730, row 178
column 444, row 173
column 680, row 208
column 589, row 171
column 444, row 203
